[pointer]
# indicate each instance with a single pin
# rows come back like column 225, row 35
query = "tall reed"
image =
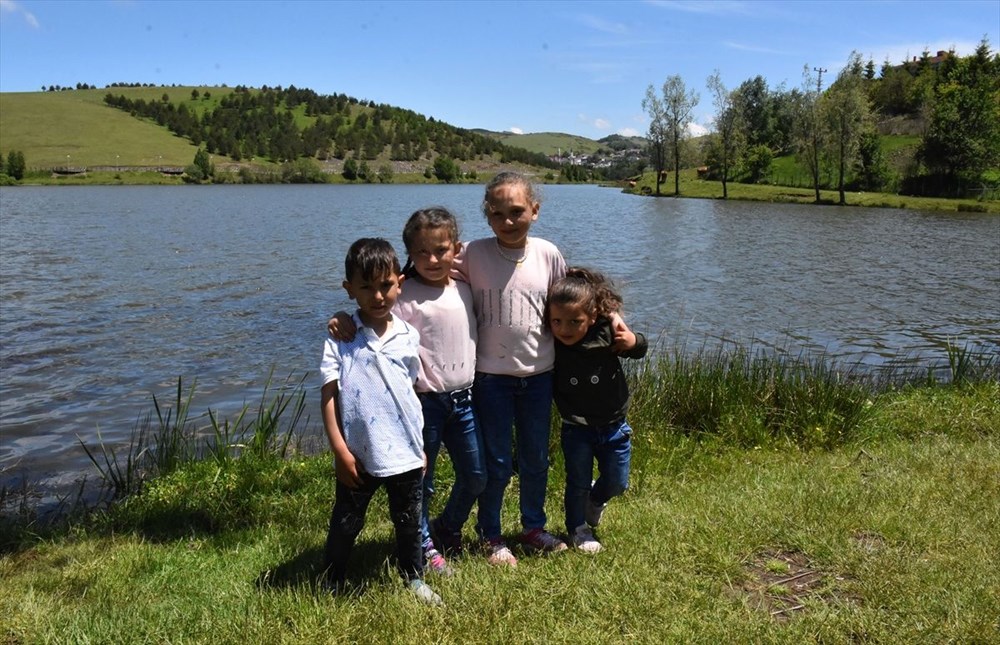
column 751, row 399
column 159, row 446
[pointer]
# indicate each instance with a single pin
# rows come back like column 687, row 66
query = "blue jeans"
column 611, row 445
column 449, row 419
column 503, row 403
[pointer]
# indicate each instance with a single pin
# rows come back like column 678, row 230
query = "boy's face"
column 375, row 296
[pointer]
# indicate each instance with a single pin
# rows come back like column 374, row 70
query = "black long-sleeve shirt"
column 590, row 386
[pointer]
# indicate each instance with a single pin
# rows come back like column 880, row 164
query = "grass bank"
column 771, row 501
column 692, row 186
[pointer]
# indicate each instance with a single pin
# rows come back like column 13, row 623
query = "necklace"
column 517, row 261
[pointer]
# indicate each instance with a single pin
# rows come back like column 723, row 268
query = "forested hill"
column 283, row 124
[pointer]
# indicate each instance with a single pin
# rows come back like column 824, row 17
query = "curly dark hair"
column 588, row 288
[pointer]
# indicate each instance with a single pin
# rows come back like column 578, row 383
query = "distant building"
column 934, row 61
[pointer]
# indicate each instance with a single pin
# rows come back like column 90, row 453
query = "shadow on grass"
column 371, row 561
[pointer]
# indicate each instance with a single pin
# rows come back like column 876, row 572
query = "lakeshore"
column 691, row 187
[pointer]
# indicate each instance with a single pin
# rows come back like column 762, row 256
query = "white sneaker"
column 592, row 512
column 424, row 593
column 583, row 540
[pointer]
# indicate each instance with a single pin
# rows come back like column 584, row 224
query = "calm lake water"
column 109, row 294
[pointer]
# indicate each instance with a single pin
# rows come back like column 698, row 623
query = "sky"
column 574, row 67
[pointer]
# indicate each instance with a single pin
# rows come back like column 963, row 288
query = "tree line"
column 834, row 132
column 266, row 124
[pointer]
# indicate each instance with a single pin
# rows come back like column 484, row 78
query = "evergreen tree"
column 963, row 137
column 15, row 164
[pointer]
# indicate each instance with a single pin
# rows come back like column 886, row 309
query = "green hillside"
column 550, row 143
column 152, row 126
column 48, row 126
column 553, row 143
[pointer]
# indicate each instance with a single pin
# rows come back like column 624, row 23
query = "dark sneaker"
column 583, row 540
column 541, row 540
column 450, row 542
column 592, row 512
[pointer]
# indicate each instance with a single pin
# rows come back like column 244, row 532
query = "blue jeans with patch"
column 504, row 403
column 611, row 446
column 449, row 419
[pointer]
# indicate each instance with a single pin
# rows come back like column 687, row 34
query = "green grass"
column 893, row 528
column 692, row 186
column 48, row 126
column 549, row 143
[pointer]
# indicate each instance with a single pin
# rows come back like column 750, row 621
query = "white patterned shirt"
column 380, row 415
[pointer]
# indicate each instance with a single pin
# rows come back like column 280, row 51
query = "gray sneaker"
column 424, row 593
column 583, row 540
column 592, row 512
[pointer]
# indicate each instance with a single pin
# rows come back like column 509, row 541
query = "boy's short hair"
column 370, row 258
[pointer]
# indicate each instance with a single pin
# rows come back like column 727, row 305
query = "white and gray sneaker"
column 424, row 593
column 592, row 512
column 583, row 540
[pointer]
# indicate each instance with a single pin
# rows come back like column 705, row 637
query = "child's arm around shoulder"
column 343, row 460
column 626, row 342
column 341, row 326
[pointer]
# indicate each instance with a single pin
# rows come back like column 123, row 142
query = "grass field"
column 76, row 129
column 727, row 534
column 692, row 186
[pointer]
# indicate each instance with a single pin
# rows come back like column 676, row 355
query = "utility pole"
column 819, row 78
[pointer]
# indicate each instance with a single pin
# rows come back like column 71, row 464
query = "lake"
column 109, row 294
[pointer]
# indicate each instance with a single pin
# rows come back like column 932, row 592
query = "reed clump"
column 749, row 399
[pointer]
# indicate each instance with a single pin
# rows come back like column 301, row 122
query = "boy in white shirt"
column 373, row 418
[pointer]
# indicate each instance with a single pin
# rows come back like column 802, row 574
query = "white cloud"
column 719, row 7
column 629, row 132
column 596, row 122
column 9, row 6
column 696, row 130
column 516, row 130
column 754, row 48
column 600, row 24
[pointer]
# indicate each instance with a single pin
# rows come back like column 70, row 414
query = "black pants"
column 348, row 518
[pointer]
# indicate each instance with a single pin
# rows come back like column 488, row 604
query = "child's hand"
column 341, row 327
column 624, row 338
column 346, row 468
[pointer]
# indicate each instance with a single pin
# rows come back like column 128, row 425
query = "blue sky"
column 574, row 67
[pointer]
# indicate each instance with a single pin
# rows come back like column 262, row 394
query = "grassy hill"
column 76, row 128
column 551, row 143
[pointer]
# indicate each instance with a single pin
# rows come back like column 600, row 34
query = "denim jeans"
column 348, row 518
column 611, row 445
column 503, row 403
column 449, row 419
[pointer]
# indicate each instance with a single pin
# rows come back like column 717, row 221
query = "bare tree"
column 728, row 128
column 657, row 133
column 807, row 127
column 678, row 104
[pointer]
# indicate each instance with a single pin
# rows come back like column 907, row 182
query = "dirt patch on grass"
column 786, row 583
